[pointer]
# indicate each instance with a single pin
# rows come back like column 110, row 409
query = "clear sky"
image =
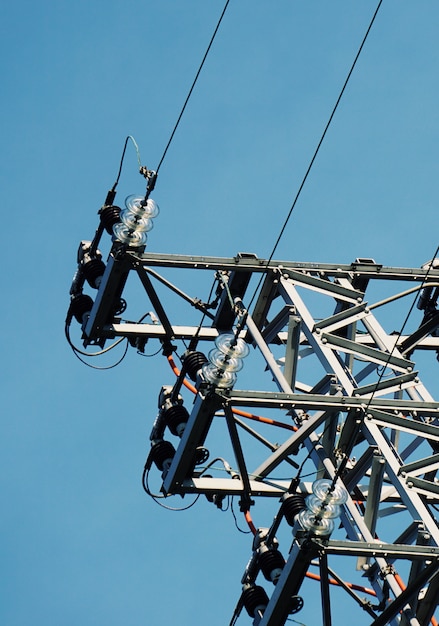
column 81, row 544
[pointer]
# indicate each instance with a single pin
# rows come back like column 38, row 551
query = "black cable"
column 192, row 87
column 302, row 184
column 244, row 532
column 156, row 496
column 123, row 156
column 76, row 351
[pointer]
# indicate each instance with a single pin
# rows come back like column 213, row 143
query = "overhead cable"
column 302, row 184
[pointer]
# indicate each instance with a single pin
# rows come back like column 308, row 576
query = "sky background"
column 81, row 544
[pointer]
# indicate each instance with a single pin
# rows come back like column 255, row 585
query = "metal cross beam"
column 330, row 390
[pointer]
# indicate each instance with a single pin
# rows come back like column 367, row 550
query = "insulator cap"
column 271, row 563
column 80, row 305
column 292, row 505
column 176, row 418
column 254, row 598
column 110, row 215
column 193, row 361
column 161, row 453
column 93, row 272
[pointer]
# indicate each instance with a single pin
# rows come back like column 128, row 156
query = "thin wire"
column 244, row 532
column 77, row 352
column 123, row 156
column 192, row 87
column 156, row 496
column 302, row 184
column 83, row 352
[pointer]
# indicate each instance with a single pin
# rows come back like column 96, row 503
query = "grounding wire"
column 316, row 151
column 192, row 87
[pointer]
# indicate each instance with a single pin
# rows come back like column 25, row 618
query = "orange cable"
column 403, row 587
column 251, row 416
column 247, row 515
column 332, row 581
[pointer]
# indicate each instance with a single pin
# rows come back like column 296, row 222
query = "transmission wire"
column 302, row 184
column 192, row 87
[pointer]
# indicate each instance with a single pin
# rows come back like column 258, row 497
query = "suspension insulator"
column 271, row 563
column 176, row 418
column 254, row 599
column 162, row 454
column 193, row 361
column 292, row 505
column 110, row 215
column 424, row 298
column 93, row 271
column 80, row 306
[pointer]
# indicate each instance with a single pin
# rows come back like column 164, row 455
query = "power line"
column 192, row 86
column 302, row 184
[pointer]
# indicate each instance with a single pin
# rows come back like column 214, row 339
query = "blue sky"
column 81, row 543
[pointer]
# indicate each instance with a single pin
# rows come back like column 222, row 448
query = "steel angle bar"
column 369, row 270
column 373, row 498
column 382, row 339
column 343, row 318
column 429, row 602
column 237, row 449
column 428, row 343
column 311, row 402
column 405, row 424
column 194, row 435
column 267, row 294
column 364, row 604
column 421, row 466
column 110, row 289
column 363, row 464
column 350, row 430
column 158, row 331
column 268, row 356
column 372, row 354
column 420, row 485
column 195, row 302
column 155, row 301
column 425, row 329
column 352, row 520
column 324, row 589
column 292, row 350
column 388, row 385
column 412, row 533
column 325, row 287
column 404, row 598
column 416, row 568
column 271, row 330
column 291, row 445
column 263, row 440
column 329, row 360
column 234, row 486
column 378, row 548
column 413, row 502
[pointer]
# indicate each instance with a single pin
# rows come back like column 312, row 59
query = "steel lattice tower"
column 346, row 393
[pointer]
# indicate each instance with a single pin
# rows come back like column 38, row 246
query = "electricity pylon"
column 344, row 394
